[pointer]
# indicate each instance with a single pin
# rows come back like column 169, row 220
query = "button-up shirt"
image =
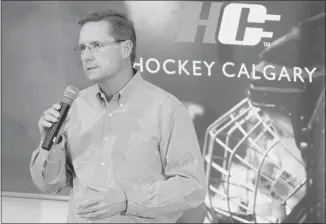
column 142, row 142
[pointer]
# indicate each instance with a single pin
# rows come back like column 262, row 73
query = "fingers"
column 56, row 106
column 53, row 113
column 54, row 110
column 96, row 215
column 50, row 116
column 91, row 208
column 45, row 124
column 92, row 211
column 88, row 204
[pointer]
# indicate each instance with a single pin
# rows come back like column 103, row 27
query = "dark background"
column 38, row 62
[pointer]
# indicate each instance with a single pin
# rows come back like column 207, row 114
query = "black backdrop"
column 38, row 62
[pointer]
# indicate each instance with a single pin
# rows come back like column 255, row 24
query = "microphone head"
column 70, row 94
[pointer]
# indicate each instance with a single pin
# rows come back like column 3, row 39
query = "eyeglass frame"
column 92, row 49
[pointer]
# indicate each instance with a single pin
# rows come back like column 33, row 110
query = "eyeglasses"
column 94, row 46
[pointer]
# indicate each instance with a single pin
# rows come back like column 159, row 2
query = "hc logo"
column 229, row 24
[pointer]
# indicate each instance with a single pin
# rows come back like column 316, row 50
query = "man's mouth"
column 91, row 68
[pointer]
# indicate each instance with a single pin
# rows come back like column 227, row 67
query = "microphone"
column 70, row 94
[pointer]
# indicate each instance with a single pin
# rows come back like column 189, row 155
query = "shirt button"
column 110, row 114
column 121, row 105
column 102, row 163
column 106, row 138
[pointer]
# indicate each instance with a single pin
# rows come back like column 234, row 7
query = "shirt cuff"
column 135, row 209
column 43, row 154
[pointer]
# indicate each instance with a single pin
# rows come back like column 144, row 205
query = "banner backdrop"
column 203, row 52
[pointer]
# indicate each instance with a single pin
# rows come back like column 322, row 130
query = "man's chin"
column 98, row 76
column 94, row 77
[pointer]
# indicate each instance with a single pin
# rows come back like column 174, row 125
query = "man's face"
column 105, row 62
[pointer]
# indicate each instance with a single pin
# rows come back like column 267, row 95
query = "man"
column 129, row 150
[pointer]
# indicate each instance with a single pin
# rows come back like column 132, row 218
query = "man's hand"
column 49, row 117
column 101, row 205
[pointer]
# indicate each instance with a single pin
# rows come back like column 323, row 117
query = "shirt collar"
column 123, row 95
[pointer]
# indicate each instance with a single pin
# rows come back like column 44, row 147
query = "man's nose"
column 87, row 55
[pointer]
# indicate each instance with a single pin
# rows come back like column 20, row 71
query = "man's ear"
column 126, row 48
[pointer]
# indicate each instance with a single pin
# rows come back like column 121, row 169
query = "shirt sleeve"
column 52, row 170
column 184, row 184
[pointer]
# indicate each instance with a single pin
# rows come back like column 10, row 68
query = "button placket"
column 102, row 170
column 101, row 167
column 102, row 161
column 114, row 105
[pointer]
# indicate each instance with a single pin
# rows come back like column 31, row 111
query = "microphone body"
column 70, row 95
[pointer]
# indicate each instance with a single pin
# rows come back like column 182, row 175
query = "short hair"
column 122, row 26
